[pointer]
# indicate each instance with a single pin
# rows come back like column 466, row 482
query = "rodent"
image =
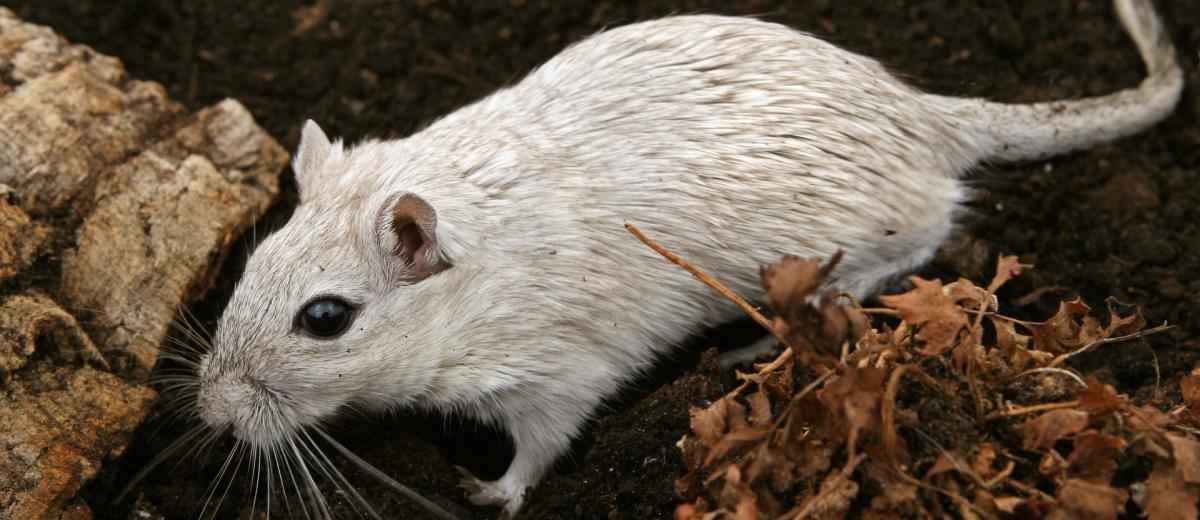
column 481, row 265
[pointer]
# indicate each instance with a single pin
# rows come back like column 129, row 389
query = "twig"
column 851, row 464
column 880, row 310
column 1142, row 333
column 1065, row 372
column 1022, row 410
column 1037, row 294
column 887, row 413
column 716, row 286
column 1028, row 490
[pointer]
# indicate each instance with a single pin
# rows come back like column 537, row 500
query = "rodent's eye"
column 325, row 317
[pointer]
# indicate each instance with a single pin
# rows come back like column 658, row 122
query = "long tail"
column 1018, row 132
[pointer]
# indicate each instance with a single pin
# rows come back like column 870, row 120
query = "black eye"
column 325, row 317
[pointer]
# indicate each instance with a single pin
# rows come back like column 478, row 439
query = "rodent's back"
column 733, row 141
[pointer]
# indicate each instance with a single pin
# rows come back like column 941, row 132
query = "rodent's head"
column 321, row 316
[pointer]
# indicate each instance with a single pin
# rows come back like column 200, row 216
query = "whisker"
column 287, row 457
column 383, row 477
column 337, row 477
column 246, row 448
column 157, row 460
column 254, row 461
column 311, row 484
column 212, row 488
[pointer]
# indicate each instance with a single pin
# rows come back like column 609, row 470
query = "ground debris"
column 866, row 435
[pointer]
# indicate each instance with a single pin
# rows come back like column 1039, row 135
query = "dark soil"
column 1121, row 220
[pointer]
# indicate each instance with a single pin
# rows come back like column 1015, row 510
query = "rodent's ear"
column 410, row 232
column 311, row 154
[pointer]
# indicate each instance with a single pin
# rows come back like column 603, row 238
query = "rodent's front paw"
column 493, row 493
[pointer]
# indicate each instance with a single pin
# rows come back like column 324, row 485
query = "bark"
column 116, row 208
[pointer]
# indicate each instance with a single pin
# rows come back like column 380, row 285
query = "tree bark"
column 116, row 208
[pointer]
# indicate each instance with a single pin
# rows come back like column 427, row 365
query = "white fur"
column 732, row 141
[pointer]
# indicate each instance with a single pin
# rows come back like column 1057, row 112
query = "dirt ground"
column 1121, row 220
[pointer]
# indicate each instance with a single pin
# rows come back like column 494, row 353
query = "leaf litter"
column 907, row 411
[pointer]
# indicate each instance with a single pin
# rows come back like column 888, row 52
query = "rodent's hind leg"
column 767, row 345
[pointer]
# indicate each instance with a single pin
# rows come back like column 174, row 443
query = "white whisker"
column 336, row 476
column 383, row 477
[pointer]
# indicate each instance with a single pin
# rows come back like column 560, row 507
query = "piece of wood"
column 116, row 208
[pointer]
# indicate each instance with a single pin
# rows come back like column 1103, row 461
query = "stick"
column 714, row 284
column 1063, row 357
column 1022, row 410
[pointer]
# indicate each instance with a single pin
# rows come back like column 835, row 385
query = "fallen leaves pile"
column 954, row 411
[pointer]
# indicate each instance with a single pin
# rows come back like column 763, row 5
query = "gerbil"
column 481, row 265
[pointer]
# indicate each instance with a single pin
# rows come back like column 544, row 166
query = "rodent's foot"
column 492, row 493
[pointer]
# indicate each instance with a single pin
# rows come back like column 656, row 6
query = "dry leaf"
column 1189, row 386
column 1008, row 504
column 853, row 399
column 938, row 317
column 1168, row 497
column 733, row 442
column 833, row 499
column 1186, row 452
column 1094, row 457
column 946, row 461
column 984, row 460
column 1006, row 268
column 1123, row 325
column 760, row 408
column 709, row 424
column 1069, row 329
column 1042, row 432
column 1090, row 500
column 1099, row 398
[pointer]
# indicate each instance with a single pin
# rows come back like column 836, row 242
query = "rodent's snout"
column 237, row 404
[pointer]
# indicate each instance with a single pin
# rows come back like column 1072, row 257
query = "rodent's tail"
column 1016, row 132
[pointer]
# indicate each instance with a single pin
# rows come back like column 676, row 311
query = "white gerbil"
column 481, row 265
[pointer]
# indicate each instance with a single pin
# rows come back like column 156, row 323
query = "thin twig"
column 887, row 414
column 1142, row 333
column 1072, row 375
column 851, row 463
column 1022, row 410
column 715, row 285
column 880, row 310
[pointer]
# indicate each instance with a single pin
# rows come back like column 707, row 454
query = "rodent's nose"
column 223, row 400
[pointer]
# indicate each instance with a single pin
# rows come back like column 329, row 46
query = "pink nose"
column 224, row 400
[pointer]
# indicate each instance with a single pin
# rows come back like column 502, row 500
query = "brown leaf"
column 760, row 408
column 1006, row 268
column 1122, row 325
column 1008, row 504
column 1099, row 398
column 938, row 317
column 1187, row 457
column 737, row 495
column 812, row 329
column 732, row 442
column 833, row 499
column 1090, row 500
column 853, row 398
column 1168, row 497
column 1042, row 432
column 686, row 511
column 984, row 460
column 1069, row 328
column 789, row 281
column 1189, row 386
column 1094, row 457
column 709, row 424
column 945, row 462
